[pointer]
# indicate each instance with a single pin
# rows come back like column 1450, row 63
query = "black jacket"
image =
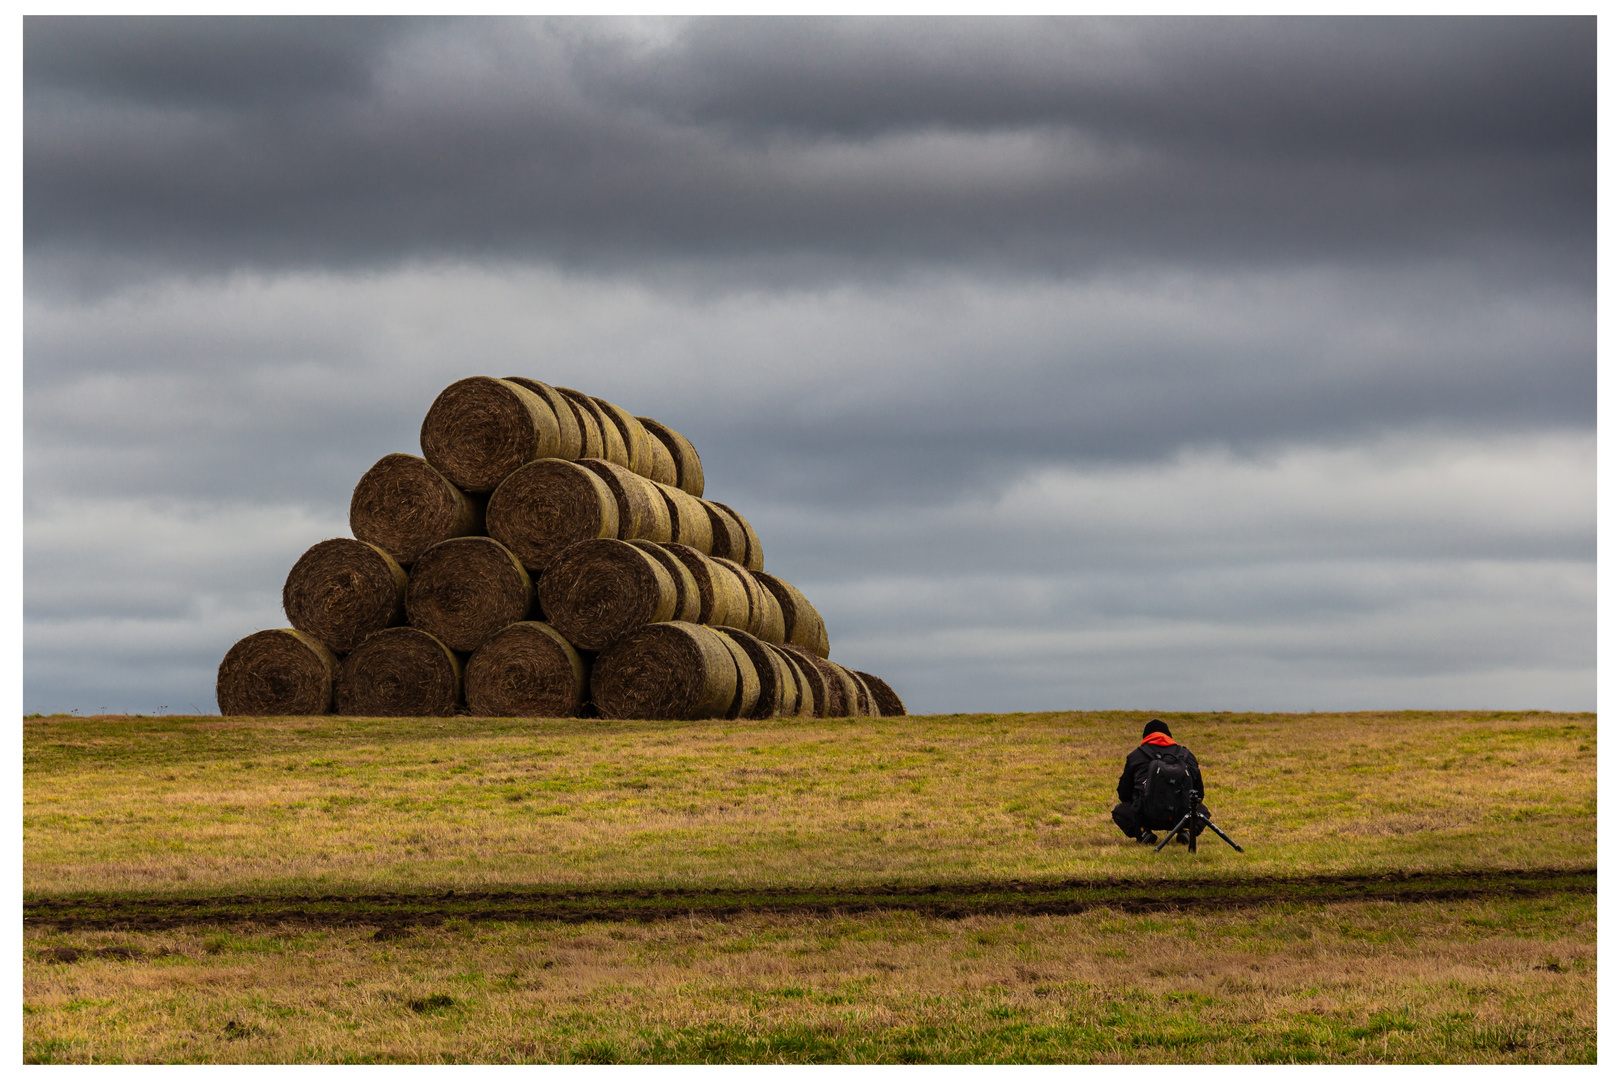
column 1136, row 766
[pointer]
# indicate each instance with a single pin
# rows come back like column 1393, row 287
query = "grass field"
column 1415, row 887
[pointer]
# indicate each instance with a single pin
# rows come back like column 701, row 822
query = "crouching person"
column 1140, row 811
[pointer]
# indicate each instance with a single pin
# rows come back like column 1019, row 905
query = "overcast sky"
column 1185, row 364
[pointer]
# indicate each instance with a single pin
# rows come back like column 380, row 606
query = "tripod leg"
column 1173, row 832
column 1222, row 835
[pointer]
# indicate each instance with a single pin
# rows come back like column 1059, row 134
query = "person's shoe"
column 1181, row 837
column 1146, row 837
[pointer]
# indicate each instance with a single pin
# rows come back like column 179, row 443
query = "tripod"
column 1196, row 810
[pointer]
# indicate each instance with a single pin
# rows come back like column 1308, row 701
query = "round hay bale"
column 820, row 694
column 864, row 704
column 688, row 603
column 528, row 669
column 399, row 672
column 479, row 430
column 802, row 624
column 849, row 693
column 843, row 696
column 729, row 541
column 772, row 624
column 688, row 466
column 643, row 512
column 597, row 591
column 661, row 461
column 281, row 672
column 797, row 698
column 659, row 527
column 548, row 505
column 405, row 506
column 570, row 437
column 746, row 699
column 714, row 597
column 465, row 590
column 755, row 557
column 776, row 686
column 888, row 702
column 613, row 448
column 739, row 601
column 764, row 613
column 590, row 432
column 688, row 520
column 342, row 591
column 665, row 671
column 634, row 435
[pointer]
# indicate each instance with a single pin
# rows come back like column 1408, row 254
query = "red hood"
column 1159, row 738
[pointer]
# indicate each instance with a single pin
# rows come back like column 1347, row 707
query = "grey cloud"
column 1336, row 89
column 208, row 63
column 905, row 396
column 1446, row 574
column 1156, row 363
column 829, row 148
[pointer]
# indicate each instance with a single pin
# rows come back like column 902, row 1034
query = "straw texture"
column 802, row 624
column 864, row 704
column 776, row 686
column 821, row 693
column 528, row 669
column 597, row 591
column 665, row 671
column 714, row 596
column 764, row 614
column 643, row 511
column 399, row 672
column 746, row 697
column 888, row 702
column 843, row 695
column 688, row 603
column 344, row 590
column 405, row 506
column 480, row 430
column 772, row 624
column 547, row 505
column 613, row 448
column 464, row 590
column 753, row 557
column 635, row 437
column 276, row 673
column 728, row 539
column 590, row 429
column 569, row 435
column 688, row 519
column 688, row 466
column 661, row 463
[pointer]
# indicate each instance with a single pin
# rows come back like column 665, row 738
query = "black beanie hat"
column 1155, row 725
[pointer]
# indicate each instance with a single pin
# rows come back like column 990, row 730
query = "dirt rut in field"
column 946, row 900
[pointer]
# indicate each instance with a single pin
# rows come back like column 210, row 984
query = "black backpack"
column 1166, row 792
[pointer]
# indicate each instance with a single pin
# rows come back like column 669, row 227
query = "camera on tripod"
column 1195, row 820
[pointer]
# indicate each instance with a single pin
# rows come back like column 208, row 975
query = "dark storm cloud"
column 898, row 396
column 812, row 147
column 1339, row 89
column 209, row 63
column 1148, row 363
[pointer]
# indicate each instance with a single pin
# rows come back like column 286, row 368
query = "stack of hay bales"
column 548, row 555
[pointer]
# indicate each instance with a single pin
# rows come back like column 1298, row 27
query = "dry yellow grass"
column 1488, row 980
column 205, row 804
column 175, row 806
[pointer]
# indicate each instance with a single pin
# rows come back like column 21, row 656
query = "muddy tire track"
column 945, row 900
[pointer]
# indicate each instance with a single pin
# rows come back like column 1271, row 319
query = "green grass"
column 1494, row 980
column 266, row 854
column 201, row 805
